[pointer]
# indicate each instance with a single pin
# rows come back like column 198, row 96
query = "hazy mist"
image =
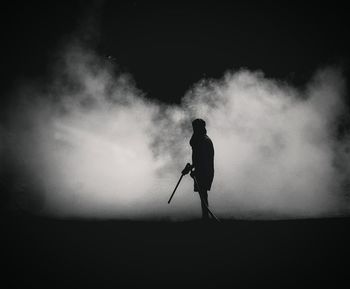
column 90, row 144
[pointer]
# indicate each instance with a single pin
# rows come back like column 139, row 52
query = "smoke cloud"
column 91, row 144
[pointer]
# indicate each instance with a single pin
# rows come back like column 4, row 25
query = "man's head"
column 198, row 126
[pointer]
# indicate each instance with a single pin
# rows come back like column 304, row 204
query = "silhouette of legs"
column 204, row 203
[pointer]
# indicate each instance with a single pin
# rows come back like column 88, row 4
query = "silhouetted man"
column 202, row 163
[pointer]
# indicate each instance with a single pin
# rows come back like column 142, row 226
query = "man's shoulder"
column 208, row 140
column 203, row 140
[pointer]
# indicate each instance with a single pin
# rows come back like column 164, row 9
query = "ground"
column 49, row 253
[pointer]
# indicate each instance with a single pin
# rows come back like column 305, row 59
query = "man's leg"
column 204, row 203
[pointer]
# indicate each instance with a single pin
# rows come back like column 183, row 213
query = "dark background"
column 168, row 47
column 48, row 253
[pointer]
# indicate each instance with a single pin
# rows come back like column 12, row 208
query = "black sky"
column 169, row 47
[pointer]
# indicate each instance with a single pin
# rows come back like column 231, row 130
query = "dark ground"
column 49, row 253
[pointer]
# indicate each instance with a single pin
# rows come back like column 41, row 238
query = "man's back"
column 203, row 160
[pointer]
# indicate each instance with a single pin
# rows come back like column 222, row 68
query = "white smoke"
column 92, row 145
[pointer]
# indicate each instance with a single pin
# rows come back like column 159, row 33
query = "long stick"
column 175, row 188
column 210, row 212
